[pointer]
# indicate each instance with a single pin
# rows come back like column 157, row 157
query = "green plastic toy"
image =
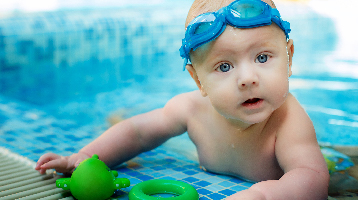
column 144, row 190
column 92, row 179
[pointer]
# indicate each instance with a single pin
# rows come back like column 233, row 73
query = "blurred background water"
column 68, row 65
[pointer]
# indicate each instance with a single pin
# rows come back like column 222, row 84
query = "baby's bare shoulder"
column 185, row 105
column 187, row 101
column 297, row 116
column 291, row 115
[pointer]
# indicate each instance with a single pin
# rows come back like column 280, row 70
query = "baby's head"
column 239, row 58
column 203, row 25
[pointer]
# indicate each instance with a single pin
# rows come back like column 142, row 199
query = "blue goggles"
column 240, row 13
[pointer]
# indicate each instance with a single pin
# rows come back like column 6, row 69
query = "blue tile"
column 168, row 172
column 247, row 184
column 191, row 180
column 179, row 169
column 202, row 176
column 216, row 196
column 39, row 151
column 134, row 181
column 10, row 139
column 236, row 180
column 145, row 177
column 71, row 149
column 50, row 149
column 158, row 168
column 156, row 174
column 146, row 170
column 202, row 183
column 227, row 184
column 227, row 192
column 179, row 175
column 170, row 160
column 134, row 174
column 171, row 166
column 204, row 191
column 192, row 166
column 190, row 172
column 214, row 188
column 214, row 179
column 238, row 188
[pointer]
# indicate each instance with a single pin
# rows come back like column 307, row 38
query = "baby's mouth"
column 252, row 101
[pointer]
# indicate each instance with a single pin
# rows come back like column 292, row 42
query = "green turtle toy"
column 92, row 179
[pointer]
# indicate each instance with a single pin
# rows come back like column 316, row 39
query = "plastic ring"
column 143, row 190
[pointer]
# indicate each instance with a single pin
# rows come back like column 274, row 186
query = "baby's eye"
column 261, row 58
column 224, row 67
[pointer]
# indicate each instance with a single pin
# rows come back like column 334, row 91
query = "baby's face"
column 245, row 72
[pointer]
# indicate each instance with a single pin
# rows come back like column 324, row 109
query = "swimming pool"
column 64, row 72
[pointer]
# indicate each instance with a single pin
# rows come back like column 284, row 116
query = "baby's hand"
column 59, row 163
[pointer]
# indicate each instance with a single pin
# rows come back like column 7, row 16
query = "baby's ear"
column 290, row 51
column 195, row 77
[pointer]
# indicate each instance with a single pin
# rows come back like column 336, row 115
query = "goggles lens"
column 207, row 17
column 246, row 10
column 204, row 23
column 203, row 27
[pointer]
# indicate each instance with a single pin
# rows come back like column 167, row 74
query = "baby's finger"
column 42, row 171
column 60, row 165
column 46, row 158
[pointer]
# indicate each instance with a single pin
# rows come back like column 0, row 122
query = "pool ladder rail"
column 19, row 180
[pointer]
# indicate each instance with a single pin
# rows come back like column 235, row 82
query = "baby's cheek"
column 223, row 102
column 281, row 92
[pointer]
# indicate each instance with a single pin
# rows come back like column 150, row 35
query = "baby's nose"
column 248, row 84
column 248, row 79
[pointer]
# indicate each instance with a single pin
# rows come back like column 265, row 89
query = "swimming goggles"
column 240, row 13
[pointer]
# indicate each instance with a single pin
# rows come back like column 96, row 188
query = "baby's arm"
column 297, row 151
column 126, row 139
column 306, row 176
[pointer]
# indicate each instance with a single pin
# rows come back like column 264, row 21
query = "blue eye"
column 225, row 67
column 261, row 58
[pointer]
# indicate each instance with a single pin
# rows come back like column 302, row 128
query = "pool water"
column 325, row 71
column 63, row 73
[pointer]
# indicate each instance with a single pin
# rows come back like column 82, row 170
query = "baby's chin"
column 254, row 120
column 248, row 120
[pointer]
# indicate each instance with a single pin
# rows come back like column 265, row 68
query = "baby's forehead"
column 247, row 41
column 204, row 6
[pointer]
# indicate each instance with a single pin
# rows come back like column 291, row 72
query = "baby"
column 243, row 120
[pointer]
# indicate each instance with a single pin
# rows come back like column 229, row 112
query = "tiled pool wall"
column 55, row 56
column 54, row 60
column 31, row 132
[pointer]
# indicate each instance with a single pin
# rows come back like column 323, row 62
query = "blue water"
column 325, row 75
column 82, row 66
